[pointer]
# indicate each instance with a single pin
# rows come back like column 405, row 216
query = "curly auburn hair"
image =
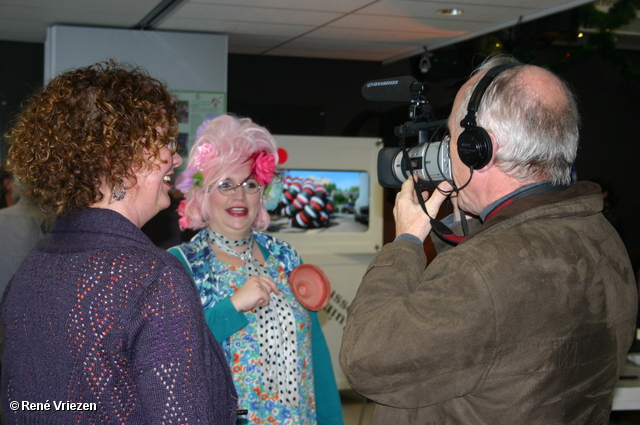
column 89, row 128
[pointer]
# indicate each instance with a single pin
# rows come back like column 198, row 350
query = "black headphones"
column 474, row 144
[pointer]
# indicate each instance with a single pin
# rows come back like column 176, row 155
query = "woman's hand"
column 255, row 292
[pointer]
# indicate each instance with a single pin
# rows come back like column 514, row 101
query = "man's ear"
column 494, row 148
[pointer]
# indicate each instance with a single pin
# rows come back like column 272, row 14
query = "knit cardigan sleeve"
column 178, row 381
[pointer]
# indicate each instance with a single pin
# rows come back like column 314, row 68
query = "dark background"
column 323, row 97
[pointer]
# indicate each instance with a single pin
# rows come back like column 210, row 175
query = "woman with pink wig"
column 275, row 347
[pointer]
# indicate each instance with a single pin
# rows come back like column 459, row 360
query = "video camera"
column 429, row 159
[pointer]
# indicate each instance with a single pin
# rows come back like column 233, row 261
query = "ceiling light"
column 450, row 12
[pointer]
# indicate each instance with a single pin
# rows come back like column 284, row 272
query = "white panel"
column 237, row 27
column 338, row 154
column 374, row 53
column 497, row 12
column 538, row 4
column 244, row 44
column 27, row 20
column 139, row 6
column 343, row 256
column 379, row 36
column 406, row 24
column 345, row 274
column 347, row 45
column 185, row 61
column 250, row 41
column 254, row 14
column 24, row 31
column 326, row 5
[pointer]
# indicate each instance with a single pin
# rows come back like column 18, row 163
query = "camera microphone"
column 398, row 89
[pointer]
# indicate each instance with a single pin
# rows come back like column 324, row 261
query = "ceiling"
column 373, row 30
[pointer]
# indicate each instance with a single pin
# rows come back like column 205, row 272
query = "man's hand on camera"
column 408, row 213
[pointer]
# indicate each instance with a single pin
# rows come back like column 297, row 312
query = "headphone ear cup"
column 474, row 147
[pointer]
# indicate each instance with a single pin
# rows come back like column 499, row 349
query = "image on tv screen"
column 321, row 201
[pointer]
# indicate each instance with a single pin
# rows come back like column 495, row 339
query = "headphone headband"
column 474, row 144
column 481, row 87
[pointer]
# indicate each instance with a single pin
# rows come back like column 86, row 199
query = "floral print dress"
column 217, row 281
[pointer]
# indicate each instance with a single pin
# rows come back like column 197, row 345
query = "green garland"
column 604, row 42
column 621, row 13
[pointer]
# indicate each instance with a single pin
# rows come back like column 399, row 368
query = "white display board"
column 184, row 61
column 345, row 247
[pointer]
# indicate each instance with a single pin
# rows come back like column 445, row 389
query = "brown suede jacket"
column 528, row 321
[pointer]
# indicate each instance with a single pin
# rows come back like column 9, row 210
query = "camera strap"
column 444, row 232
column 440, row 228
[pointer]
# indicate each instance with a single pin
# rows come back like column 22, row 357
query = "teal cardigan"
column 224, row 320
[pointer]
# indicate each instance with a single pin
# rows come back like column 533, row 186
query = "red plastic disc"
column 283, row 155
column 311, row 286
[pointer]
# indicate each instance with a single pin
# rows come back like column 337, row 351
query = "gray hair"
column 537, row 137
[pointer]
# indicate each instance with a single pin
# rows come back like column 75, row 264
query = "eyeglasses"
column 172, row 145
column 228, row 188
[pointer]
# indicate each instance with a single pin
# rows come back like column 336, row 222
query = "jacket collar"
column 527, row 198
column 579, row 198
column 537, row 187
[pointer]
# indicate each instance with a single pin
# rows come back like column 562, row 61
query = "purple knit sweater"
column 98, row 315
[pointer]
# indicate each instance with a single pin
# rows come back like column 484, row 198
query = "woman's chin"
column 164, row 204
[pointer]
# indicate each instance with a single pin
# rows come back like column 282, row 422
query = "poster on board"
column 194, row 107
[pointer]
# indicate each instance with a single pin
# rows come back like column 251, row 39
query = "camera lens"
column 429, row 161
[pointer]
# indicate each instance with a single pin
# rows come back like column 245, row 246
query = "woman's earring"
column 119, row 191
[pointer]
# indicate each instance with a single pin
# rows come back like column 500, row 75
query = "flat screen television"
column 331, row 200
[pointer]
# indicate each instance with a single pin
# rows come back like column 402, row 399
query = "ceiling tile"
column 342, row 6
column 253, row 14
column 233, row 27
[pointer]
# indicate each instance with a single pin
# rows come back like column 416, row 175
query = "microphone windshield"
column 389, row 90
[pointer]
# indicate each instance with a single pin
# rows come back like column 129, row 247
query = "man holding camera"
column 529, row 319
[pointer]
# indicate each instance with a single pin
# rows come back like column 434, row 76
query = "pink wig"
column 223, row 145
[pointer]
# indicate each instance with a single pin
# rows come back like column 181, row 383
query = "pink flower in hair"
column 181, row 207
column 264, row 167
column 204, row 154
column 183, row 222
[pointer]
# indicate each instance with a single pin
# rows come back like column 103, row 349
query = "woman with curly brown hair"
column 101, row 326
